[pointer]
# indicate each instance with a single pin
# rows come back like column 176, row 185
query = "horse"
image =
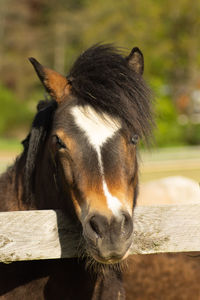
column 81, row 156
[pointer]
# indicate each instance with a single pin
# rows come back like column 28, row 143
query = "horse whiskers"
column 96, row 267
column 81, row 249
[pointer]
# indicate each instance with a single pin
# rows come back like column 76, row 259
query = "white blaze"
column 113, row 203
column 98, row 129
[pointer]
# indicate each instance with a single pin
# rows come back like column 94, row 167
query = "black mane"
column 102, row 78
column 33, row 144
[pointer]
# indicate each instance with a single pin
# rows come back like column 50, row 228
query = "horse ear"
column 136, row 60
column 55, row 84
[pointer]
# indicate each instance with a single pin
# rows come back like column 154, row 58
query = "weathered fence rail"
column 48, row 234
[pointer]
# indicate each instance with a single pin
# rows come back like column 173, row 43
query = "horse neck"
column 11, row 189
column 13, row 192
column 109, row 286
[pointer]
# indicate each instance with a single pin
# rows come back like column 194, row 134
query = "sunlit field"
column 184, row 161
column 154, row 164
column 9, row 149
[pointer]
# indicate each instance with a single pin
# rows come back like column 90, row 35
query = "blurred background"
column 56, row 32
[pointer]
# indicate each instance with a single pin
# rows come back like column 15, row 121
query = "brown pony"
column 80, row 156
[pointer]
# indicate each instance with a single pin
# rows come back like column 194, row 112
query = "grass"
column 9, row 145
column 173, row 153
column 148, row 176
column 9, row 149
column 179, row 161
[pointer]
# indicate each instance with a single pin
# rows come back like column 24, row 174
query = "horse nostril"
column 94, row 226
column 112, row 231
column 125, row 221
column 127, row 225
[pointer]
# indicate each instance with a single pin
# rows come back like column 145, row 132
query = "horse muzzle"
column 108, row 240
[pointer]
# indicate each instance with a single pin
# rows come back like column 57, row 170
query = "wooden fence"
column 46, row 234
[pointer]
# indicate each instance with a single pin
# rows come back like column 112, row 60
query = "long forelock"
column 102, row 78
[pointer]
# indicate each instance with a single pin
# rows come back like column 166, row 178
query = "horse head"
column 102, row 108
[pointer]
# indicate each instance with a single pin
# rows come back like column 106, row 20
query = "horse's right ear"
column 136, row 60
column 55, row 84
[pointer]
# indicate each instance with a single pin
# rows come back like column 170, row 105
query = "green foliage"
column 11, row 145
column 168, row 131
column 13, row 115
column 192, row 134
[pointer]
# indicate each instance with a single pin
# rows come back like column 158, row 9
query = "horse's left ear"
column 55, row 84
column 136, row 60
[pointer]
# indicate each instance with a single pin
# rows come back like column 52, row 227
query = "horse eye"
column 134, row 139
column 59, row 143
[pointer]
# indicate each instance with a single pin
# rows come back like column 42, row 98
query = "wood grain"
column 48, row 234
